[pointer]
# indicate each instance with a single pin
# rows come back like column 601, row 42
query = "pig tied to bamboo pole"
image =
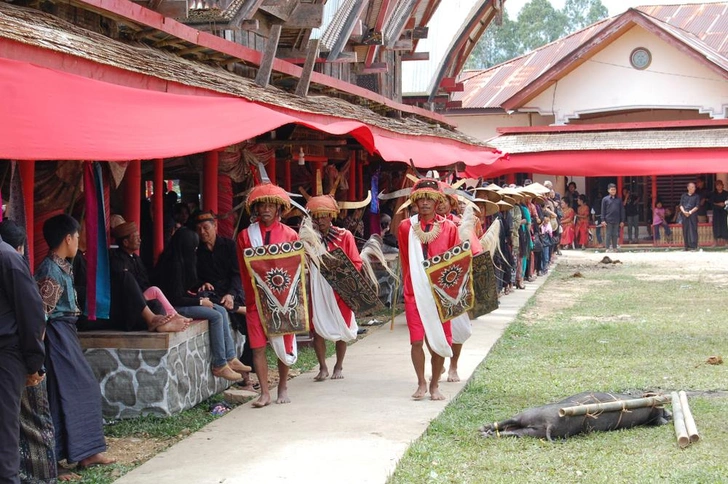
column 615, row 406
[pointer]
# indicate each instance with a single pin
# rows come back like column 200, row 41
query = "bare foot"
column 420, row 393
column 99, row 459
column 322, row 375
column 64, row 475
column 283, row 396
column 452, row 375
column 262, row 401
column 338, row 374
column 435, row 393
column 158, row 320
column 175, row 324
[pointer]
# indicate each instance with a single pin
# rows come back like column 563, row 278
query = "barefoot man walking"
column 332, row 319
column 267, row 202
column 423, row 236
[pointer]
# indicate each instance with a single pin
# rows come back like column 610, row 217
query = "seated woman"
column 176, row 272
column 567, row 225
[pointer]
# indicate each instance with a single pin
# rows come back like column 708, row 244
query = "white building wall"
column 608, row 82
column 484, row 126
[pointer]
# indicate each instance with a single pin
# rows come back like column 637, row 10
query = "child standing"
column 659, row 220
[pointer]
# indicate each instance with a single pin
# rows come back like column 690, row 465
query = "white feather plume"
column 491, row 239
column 372, row 252
column 312, row 243
column 468, row 223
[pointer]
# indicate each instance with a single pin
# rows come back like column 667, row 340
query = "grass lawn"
column 621, row 328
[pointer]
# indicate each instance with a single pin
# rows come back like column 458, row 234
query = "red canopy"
column 608, row 163
column 48, row 114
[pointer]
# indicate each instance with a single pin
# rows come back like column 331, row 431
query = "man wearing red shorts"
column 266, row 202
column 333, row 322
column 421, row 237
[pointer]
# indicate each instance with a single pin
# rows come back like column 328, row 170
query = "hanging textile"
column 98, row 276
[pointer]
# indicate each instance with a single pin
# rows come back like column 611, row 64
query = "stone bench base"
column 144, row 373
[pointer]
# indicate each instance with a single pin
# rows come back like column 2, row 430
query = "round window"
column 640, row 58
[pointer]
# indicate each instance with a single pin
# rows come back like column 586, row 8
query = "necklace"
column 427, row 237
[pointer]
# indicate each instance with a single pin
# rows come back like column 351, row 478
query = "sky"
column 615, row 7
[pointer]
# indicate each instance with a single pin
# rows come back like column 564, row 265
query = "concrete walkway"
column 351, row 430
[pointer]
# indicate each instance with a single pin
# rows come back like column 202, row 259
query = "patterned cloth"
column 37, row 445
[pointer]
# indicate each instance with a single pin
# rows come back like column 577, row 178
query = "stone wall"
column 157, row 381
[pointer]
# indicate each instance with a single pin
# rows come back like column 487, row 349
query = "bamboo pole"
column 679, row 419
column 689, row 420
column 614, row 406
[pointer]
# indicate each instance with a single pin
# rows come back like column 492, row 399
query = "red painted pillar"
column 209, row 188
column 158, row 209
column 351, row 195
column 272, row 169
column 620, row 185
column 654, row 199
column 511, row 178
column 133, row 192
column 27, row 176
column 287, row 180
column 360, row 180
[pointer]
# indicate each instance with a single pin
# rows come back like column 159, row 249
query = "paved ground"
column 352, row 430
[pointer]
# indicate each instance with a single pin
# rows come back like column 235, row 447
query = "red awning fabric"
column 51, row 115
column 608, row 163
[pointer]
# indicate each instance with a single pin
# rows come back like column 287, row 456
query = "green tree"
column 538, row 24
column 497, row 45
column 582, row 13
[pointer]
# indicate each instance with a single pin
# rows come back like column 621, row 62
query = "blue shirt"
column 55, row 281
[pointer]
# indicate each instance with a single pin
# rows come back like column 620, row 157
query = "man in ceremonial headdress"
column 423, row 236
column 467, row 228
column 267, row 203
column 332, row 319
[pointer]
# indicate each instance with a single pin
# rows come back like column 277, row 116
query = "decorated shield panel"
column 279, row 282
column 450, row 276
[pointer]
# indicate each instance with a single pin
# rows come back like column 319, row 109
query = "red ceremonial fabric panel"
column 608, row 163
column 51, row 115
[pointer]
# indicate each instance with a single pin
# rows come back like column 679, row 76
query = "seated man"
column 136, row 305
column 219, row 272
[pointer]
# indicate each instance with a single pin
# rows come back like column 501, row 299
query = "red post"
column 352, row 176
column 511, row 178
column 133, row 192
column 287, row 180
column 360, row 176
column 654, row 199
column 620, row 185
column 209, row 188
column 27, row 176
column 272, row 169
column 158, row 208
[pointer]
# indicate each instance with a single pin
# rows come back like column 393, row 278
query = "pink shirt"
column 658, row 215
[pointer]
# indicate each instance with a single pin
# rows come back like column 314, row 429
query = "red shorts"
column 415, row 326
column 256, row 335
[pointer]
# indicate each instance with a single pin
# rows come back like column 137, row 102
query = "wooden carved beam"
column 416, row 56
column 269, row 55
column 305, row 80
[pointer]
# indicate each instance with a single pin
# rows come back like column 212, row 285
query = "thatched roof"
column 42, row 30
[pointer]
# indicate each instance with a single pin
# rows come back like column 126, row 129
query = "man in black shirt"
column 219, row 273
column 22, row 351
column 612, row 217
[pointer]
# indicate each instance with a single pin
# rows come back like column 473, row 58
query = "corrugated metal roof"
column 661, row 139
column 491, row 87
column 703, row 27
